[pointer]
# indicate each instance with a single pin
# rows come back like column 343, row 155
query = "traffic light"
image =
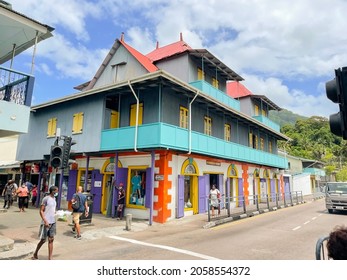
column 68, row 142
column 56, row 158
column 336, row 91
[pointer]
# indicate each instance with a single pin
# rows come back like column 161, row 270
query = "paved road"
column 285, row 234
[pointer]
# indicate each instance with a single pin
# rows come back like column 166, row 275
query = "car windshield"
column 337, row 187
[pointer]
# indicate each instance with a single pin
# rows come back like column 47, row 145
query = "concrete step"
column 6, row 244
column 9, row 250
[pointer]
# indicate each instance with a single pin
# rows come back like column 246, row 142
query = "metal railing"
column 253, row 204
column 321, row 249
column 16, row 87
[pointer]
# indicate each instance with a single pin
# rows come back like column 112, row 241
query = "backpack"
column 77, row 203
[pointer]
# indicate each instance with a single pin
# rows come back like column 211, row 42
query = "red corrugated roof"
column 145, row 61
column 169, row 50
column 236, row 90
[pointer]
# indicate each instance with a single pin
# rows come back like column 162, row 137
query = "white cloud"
column 268, row 42
column 294, row 100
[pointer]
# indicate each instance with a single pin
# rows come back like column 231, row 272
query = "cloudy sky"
column 286, row 50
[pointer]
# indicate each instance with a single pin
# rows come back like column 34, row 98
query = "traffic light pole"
column 59, row 158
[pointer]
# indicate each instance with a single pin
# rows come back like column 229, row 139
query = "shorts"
column 49, row 231
column 76, row 217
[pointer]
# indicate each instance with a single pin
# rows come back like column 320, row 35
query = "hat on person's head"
column 121, row 184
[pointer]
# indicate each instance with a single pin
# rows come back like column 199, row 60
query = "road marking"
column 296, row 228
column 314, row 218
column 190, row 253
column 305, row 223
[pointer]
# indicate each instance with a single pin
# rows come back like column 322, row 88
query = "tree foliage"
column 312, row 139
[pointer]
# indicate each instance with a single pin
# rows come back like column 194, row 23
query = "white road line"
column 297, row 228
column 305, row 223
column 314, row 218
column 205, row 257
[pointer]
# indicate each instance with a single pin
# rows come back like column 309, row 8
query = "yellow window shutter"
column 114, row 119
column 80, row 122
column 133, row 114
column 52, row 127
column 49, row 127
column 201, row 74
column 256, row 110
column 250, row 139
column 74, row 123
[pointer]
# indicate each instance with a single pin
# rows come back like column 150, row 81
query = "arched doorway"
column 233, row 190
column 190, row 173
column 107, row 191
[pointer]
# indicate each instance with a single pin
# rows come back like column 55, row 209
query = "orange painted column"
column 162, row 191
column 245, row 182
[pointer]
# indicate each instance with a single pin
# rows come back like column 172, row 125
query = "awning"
column 9, row 164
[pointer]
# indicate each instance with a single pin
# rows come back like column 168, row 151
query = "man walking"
column 8, row 193
column 77, row 213
column 48, row 225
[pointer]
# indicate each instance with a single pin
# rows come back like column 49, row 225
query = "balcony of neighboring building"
column 16, row 91
column 166, row 136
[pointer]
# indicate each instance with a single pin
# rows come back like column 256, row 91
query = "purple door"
column 96, row 190
column 240, row 195
column 180, row 197
column 203, row 193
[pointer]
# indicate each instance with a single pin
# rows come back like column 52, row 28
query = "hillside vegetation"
column 312, row 139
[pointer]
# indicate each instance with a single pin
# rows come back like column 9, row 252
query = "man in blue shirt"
column 77, row 213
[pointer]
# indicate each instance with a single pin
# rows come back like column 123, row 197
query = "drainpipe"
column 190, row 123
column 137, row 116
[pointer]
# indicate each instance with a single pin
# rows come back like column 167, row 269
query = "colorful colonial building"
column 167, row 125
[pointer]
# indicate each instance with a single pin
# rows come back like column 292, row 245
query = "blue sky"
column 285, row 50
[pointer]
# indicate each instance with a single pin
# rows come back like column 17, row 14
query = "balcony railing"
column 162, row 135
column 216, row 94
column 267, row 122
column 16, row 87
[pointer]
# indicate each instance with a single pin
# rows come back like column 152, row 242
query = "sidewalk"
column 19, row 230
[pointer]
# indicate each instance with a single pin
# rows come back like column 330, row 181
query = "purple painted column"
column 60, row 187
column 86, row 175
column 39, row 186
column 114, row 184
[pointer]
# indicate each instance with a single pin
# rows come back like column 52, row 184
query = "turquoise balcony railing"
column 216, row 94
column 267, row 122
column 161, row 135
column 314, row 171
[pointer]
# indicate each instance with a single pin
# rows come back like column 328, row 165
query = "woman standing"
column 33, row 195
column 23, row 194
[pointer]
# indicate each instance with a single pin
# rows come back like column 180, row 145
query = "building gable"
column 121, row 63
